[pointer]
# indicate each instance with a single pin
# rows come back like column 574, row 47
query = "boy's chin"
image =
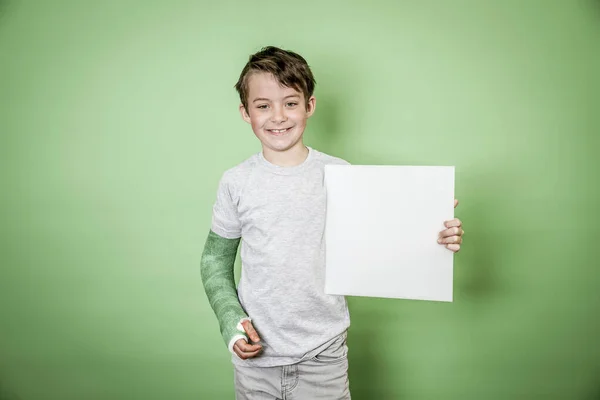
column 281, row 143
column 281, row 146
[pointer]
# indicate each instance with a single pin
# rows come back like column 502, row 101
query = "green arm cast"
column 216, row 267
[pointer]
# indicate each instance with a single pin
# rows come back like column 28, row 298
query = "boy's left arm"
column 452, row 236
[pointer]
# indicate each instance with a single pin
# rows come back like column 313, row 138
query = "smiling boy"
column 288, row 337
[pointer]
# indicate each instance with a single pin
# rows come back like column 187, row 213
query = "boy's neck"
column 288, row 158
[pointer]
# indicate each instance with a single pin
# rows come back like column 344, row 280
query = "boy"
column 288, row 338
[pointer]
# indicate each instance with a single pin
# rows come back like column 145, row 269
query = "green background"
column 118, row 118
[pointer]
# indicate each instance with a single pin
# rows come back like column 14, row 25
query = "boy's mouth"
column 278, row 131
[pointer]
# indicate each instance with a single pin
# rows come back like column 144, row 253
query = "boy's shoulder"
column 327, row 159
column 239, row 172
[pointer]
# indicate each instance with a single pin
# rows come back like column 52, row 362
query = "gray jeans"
column 324, row 376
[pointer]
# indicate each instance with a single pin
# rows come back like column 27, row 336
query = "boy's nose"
column 278, row 115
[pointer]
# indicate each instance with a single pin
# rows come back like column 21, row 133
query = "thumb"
column 250, row 331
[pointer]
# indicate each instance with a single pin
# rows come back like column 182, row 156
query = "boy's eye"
column 292, row 104
column 262, row 106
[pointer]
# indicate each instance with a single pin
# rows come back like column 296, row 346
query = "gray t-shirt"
column 279, row 212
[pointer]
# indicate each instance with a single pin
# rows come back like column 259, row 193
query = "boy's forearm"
column 216, row 266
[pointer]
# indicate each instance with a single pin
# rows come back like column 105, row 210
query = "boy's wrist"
column 235, row 339
column 240, row 334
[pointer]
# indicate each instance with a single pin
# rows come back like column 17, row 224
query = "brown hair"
column 290, row 70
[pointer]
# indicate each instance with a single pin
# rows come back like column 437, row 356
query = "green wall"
column 117, row 119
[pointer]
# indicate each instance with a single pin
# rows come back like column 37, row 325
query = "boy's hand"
column 245, row 350
column 452, row 237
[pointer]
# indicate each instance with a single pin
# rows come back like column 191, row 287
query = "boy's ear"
column 311, row 105
column 244, row 113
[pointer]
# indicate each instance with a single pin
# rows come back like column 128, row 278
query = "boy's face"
column 277, row 114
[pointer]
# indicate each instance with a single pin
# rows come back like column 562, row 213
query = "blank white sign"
column 382, row 228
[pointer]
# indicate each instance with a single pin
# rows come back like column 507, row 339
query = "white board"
column 382, row 228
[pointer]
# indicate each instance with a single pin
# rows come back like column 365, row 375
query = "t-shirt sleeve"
column 225, row 219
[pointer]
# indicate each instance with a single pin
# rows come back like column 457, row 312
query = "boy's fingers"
column 246, row 347
column 455, row 203
column 240, row 353
column 450, row 240
column 245, row 356
column 245, row 350
column 452, row 223
column 250, row 331
column 453, row 247
column 456, row 231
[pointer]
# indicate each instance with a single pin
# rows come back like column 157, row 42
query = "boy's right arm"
column 216, row 267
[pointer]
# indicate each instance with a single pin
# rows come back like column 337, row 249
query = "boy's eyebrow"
column 265, row 99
